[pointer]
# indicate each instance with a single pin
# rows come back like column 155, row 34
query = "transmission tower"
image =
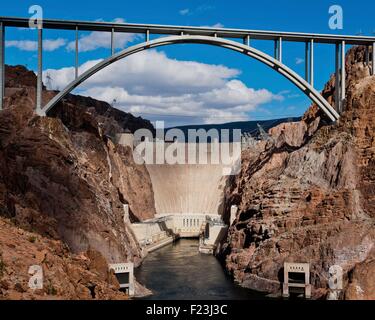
column 113, row 103
column 49, row 81
column 110, row 106
column 262, row 133
column 247, row 140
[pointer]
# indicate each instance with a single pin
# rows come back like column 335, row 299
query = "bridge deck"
column 186, row 34
column 177, row 30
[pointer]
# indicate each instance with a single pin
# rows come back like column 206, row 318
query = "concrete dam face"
column 189, row 188
column 188, row 182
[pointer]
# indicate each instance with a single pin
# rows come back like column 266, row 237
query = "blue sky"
column 188, row 83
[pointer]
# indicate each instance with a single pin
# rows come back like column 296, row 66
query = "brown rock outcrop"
column 308, row 196
column 65, row 178
column 65, row 276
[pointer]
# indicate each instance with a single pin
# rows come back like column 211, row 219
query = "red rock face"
column 19, row 77
column 65, row 276
column 64, row 178
column 308, row 196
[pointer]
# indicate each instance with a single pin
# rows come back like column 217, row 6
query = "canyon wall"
column 308, row 195
column 64, row 178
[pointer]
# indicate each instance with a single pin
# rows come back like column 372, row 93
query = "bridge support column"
column 280, row 51
column 76, row 55
column 39, row 86
column 307, row 61
column 275, row 51
column 312, row 62
column 2, row 65
column 246, row 41
column 147, row 35
column 337, row 80
column 112, row 41
column 343, row 76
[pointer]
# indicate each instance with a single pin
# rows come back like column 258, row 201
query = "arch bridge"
column 221, row 37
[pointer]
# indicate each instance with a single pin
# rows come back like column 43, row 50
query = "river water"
column 179, row 271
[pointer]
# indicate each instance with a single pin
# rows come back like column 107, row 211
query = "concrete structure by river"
column 188, row 197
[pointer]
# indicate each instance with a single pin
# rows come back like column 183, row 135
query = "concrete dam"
column 187, row 189
column 193, row 185
column 188, row 197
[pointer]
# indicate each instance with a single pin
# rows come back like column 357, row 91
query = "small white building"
column 213, row 234
column 125, row 275
column 302, row 281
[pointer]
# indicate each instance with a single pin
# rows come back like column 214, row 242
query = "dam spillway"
column 188, row 188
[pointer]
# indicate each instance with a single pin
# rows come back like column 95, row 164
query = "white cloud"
column 24, row 45
column 29, row 45
column 96, row 40
column 229, row 103
column 184, row 12
column 51, row 45
column 204, row 7
column 293, row 96
column 153, row 71
column 197, row 10
column 299, row 61
column 236, row 94
column 216, row 25
column 151, row 83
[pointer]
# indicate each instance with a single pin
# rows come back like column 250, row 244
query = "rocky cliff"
column 65, row 275
column 64, row 179
column 308, row 195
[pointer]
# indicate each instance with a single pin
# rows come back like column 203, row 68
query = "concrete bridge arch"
column 249, row 51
